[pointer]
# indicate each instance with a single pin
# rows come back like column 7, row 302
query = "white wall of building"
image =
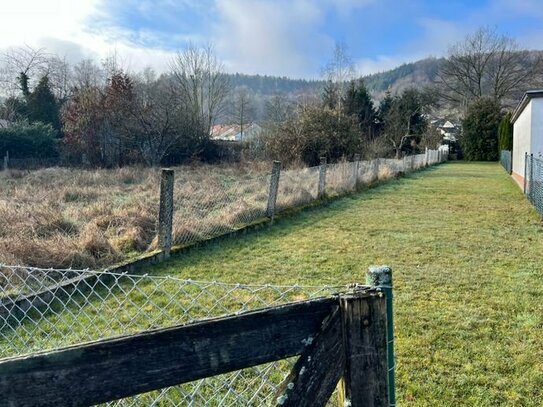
column 537, row 127
column 522, row 133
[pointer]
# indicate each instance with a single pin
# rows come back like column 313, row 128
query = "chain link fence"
column 208, row 208
column 58, row 217
column 298, row 187
column 534, row 181
column 215, row 207
column 505, row 160
column 105, row 305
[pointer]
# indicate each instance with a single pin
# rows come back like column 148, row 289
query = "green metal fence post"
column 525, row 173
column 531, row 185
column 381, row 277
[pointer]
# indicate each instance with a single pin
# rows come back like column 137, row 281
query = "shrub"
column 505, row 133
column 480, row 130
column 23, row 140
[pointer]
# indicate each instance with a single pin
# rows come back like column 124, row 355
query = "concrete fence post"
column 356, row 168
column 322, row 178
column 6, row 161
column 165, row 215
column 426, row 157
column 381, row 277
column 274, row 188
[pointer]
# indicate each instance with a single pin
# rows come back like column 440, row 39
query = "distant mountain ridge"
column 419, row 73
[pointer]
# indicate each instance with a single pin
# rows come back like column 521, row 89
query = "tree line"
column 106, row 116
column 103, row 115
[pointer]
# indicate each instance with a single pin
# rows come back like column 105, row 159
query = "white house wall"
column 537, row 128
column 522, row 133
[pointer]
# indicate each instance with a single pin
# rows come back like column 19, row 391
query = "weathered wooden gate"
column 342, row 337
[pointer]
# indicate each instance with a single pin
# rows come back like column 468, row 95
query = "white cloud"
column 367, row 66
column 274, row 37
column 435, row 39
column 27, row 21
column 61, row 26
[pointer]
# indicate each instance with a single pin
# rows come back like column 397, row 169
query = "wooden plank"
column 319, row 368
column 111, row 369
column 365, row 327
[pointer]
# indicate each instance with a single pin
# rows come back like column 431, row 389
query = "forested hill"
column 271, row 85
column 418, row 73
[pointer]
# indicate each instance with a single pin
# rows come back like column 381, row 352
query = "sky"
column 292, row 38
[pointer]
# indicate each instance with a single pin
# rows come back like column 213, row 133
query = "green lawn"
column 465, row 247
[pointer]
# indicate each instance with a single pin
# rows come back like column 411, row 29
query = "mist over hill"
column 418, row 74
column 263, row 87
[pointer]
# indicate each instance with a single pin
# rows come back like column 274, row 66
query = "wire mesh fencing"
column 215, row 207
column 340, row 178
column 505, row 160
column 534, row 181
column 93, row 305
column 210, row 207
column 298, row 187
column 59, row 217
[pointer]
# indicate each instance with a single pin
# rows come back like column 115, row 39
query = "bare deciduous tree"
column 33, row 62
column 485, row 64
column 279, row 109
column 86, row 74
column 59, row 73
column 339, row 71
column 204, row 87
column 242, row 108
column 155, row 113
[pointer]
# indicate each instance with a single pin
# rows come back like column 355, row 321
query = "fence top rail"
column 75, row 273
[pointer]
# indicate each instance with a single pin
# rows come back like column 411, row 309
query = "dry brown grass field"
column 60, row 217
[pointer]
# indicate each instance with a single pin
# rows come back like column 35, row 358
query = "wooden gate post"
column 365, row 341
column 322, row 178
column 165, row 215
column 274, row 187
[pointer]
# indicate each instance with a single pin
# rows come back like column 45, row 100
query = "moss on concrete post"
column 322, row 178
column 381, row 277
column 356, row 167
column 274, row 188
column 165, row 215
column 426, row 157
